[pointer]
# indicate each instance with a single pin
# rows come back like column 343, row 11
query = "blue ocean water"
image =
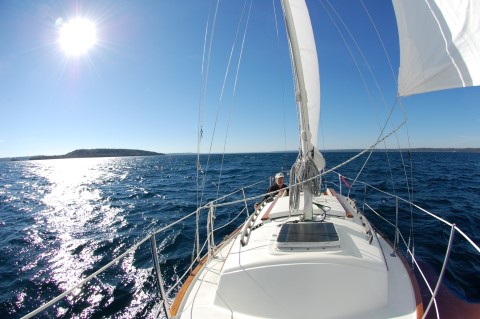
column 61, row 220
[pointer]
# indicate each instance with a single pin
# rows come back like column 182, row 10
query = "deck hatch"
column 308, row 235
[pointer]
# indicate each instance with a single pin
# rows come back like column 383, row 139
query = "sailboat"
column 313, row 253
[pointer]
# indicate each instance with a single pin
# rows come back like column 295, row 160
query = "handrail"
column 442, row 272
column 465, row 236
column 96, row 273
column 215, row 204
column 447, row 255
column 247, row 229
column 156, row 265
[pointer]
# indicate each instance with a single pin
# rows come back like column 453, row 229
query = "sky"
column 149, row 82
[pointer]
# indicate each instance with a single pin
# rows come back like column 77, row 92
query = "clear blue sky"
column 140, row 86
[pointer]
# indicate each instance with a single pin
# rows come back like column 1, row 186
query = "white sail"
column 439, row 44
column 304, row 53
column 307, row 91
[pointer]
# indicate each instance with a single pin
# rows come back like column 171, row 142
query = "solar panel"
column 309, row 234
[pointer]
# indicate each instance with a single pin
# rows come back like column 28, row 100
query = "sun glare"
column 77, row 36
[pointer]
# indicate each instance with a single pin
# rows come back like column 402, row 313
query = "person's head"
column 279, row 179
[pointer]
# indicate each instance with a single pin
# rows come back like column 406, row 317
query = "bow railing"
column 240, row 201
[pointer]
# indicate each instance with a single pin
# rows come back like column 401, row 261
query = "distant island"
column 112, row 152
column 86, row 153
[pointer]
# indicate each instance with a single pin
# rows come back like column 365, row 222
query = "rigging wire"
column 379, row 90
column 371, row 151
column 203, row 90
column 200, row 107
column 409, row 189
column 409, row 186
column 354, row 59
column 206, row 59
column 381, row 42
column 283, row 91
column 359, row 50
column 206, row 56
column 234, row 86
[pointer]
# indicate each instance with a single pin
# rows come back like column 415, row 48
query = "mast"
column 304, row 59
column 300, row 90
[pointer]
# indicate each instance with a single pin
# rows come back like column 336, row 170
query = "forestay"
column 439, row 44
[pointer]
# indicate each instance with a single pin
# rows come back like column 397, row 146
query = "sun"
column 77, row 36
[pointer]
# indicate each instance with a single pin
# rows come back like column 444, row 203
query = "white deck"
column 261, row 280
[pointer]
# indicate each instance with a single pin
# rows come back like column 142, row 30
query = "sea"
column 63, row 219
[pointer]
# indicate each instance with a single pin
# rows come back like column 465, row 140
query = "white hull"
column 353, row 278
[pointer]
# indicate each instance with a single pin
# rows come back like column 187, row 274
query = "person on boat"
column 279, row 185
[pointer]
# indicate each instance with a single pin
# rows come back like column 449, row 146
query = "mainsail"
column 305, row 64
column 439, row 44
column 307, row 90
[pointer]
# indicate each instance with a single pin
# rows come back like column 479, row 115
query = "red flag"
column 345, row 181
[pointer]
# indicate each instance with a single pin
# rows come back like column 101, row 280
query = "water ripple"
column 61, row 220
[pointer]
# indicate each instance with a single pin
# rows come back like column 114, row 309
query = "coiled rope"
column 304, row 169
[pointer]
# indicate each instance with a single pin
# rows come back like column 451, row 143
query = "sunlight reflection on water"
column 77, row 221
column 72, row 205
